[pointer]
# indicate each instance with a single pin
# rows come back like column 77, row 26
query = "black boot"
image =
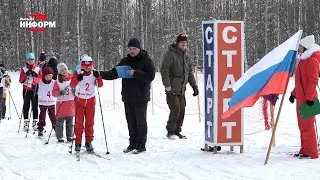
column 130, row 148
column 139, row 148
column 181, row 136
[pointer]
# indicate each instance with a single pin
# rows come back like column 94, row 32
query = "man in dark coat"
column 176, row 71
column 135, row 93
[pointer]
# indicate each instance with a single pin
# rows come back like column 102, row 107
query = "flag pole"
column 276, row 124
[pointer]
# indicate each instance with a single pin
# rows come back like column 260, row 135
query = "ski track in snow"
column 30, row 159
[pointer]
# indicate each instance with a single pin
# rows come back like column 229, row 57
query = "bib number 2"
column 87, row 86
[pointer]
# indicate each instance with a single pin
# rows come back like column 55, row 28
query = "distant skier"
column 6, row 82
column 85, row 81
column 65, row 103
column 305, row 91
column 30, row 76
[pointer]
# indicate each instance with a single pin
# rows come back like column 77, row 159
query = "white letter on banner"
column 229, row 126
column 225, row 34
column 226, row 104
column 209, row 105
column 209, row 83
column 209, row 124
column 229, row 82
column 209, row 54
column 229, row 54
column 208, row 39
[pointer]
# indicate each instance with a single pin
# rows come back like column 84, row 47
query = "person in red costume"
column 85, row 81
column 30, row 76
column 306, row 81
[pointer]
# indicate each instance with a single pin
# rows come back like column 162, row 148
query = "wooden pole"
column 272, row 123
column 198, row 97
column 275, row 126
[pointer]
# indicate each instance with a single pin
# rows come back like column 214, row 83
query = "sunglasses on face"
column 184, row 35
column 30, row 59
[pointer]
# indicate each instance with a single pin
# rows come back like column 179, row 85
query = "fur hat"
column 307, row 42
column 60, row 66
column 46, row 71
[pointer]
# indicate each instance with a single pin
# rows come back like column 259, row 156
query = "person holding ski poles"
column 85, row 81
column 30, row 76
column 65, row 103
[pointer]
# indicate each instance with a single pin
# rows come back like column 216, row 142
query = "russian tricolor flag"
column 268, row 78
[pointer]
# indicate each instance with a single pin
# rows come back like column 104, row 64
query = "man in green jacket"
column 176, row 71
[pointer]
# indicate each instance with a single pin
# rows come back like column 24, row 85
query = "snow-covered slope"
column 30, row 158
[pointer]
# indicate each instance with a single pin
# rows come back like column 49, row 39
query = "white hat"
column 307, row 42
column 86, row 59
column 60, row 66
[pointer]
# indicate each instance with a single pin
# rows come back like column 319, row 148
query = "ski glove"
column 310, row 103
column 96, row 73
column 80, row 77
column 73, row 91
column 168, row 89
column 291, row 99
column 195, row 91
column 34, row 74
column 63, row 92
column 29, row 72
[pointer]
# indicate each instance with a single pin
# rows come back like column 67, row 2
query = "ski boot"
column 139, row 149
column 34, row 124
column 77, row 147
column 26, row 125
column 89, row 147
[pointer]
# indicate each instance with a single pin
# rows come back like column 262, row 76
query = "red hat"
column 46, row 71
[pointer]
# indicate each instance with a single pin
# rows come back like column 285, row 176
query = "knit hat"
column 30, row 56
column 43, row 56
column 46, row 71
column 307, row 42
column 86, row 61
column 61, row 66
column 182, row 37
column 134, row 42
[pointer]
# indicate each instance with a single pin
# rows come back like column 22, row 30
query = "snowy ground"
column 29, row 158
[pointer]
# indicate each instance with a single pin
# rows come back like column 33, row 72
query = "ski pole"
column 14, row 104
column 9, row 108
column 52, row 127
column 75, row 119
column 104, row 129
column 25, row 94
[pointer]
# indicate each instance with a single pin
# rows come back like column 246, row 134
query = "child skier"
column 30, row 76
column 46, row 100
column 5, row 81
column 85, row 80
column 65, row 103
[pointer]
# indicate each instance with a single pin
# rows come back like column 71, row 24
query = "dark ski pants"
column 177, row 104
column 30, row 96
column 136, row 115
column 3, row 108
column 69, row 127
column 42, row 117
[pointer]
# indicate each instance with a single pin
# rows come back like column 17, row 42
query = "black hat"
column 182, row 37
column 134, row 42
column 42, row 56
